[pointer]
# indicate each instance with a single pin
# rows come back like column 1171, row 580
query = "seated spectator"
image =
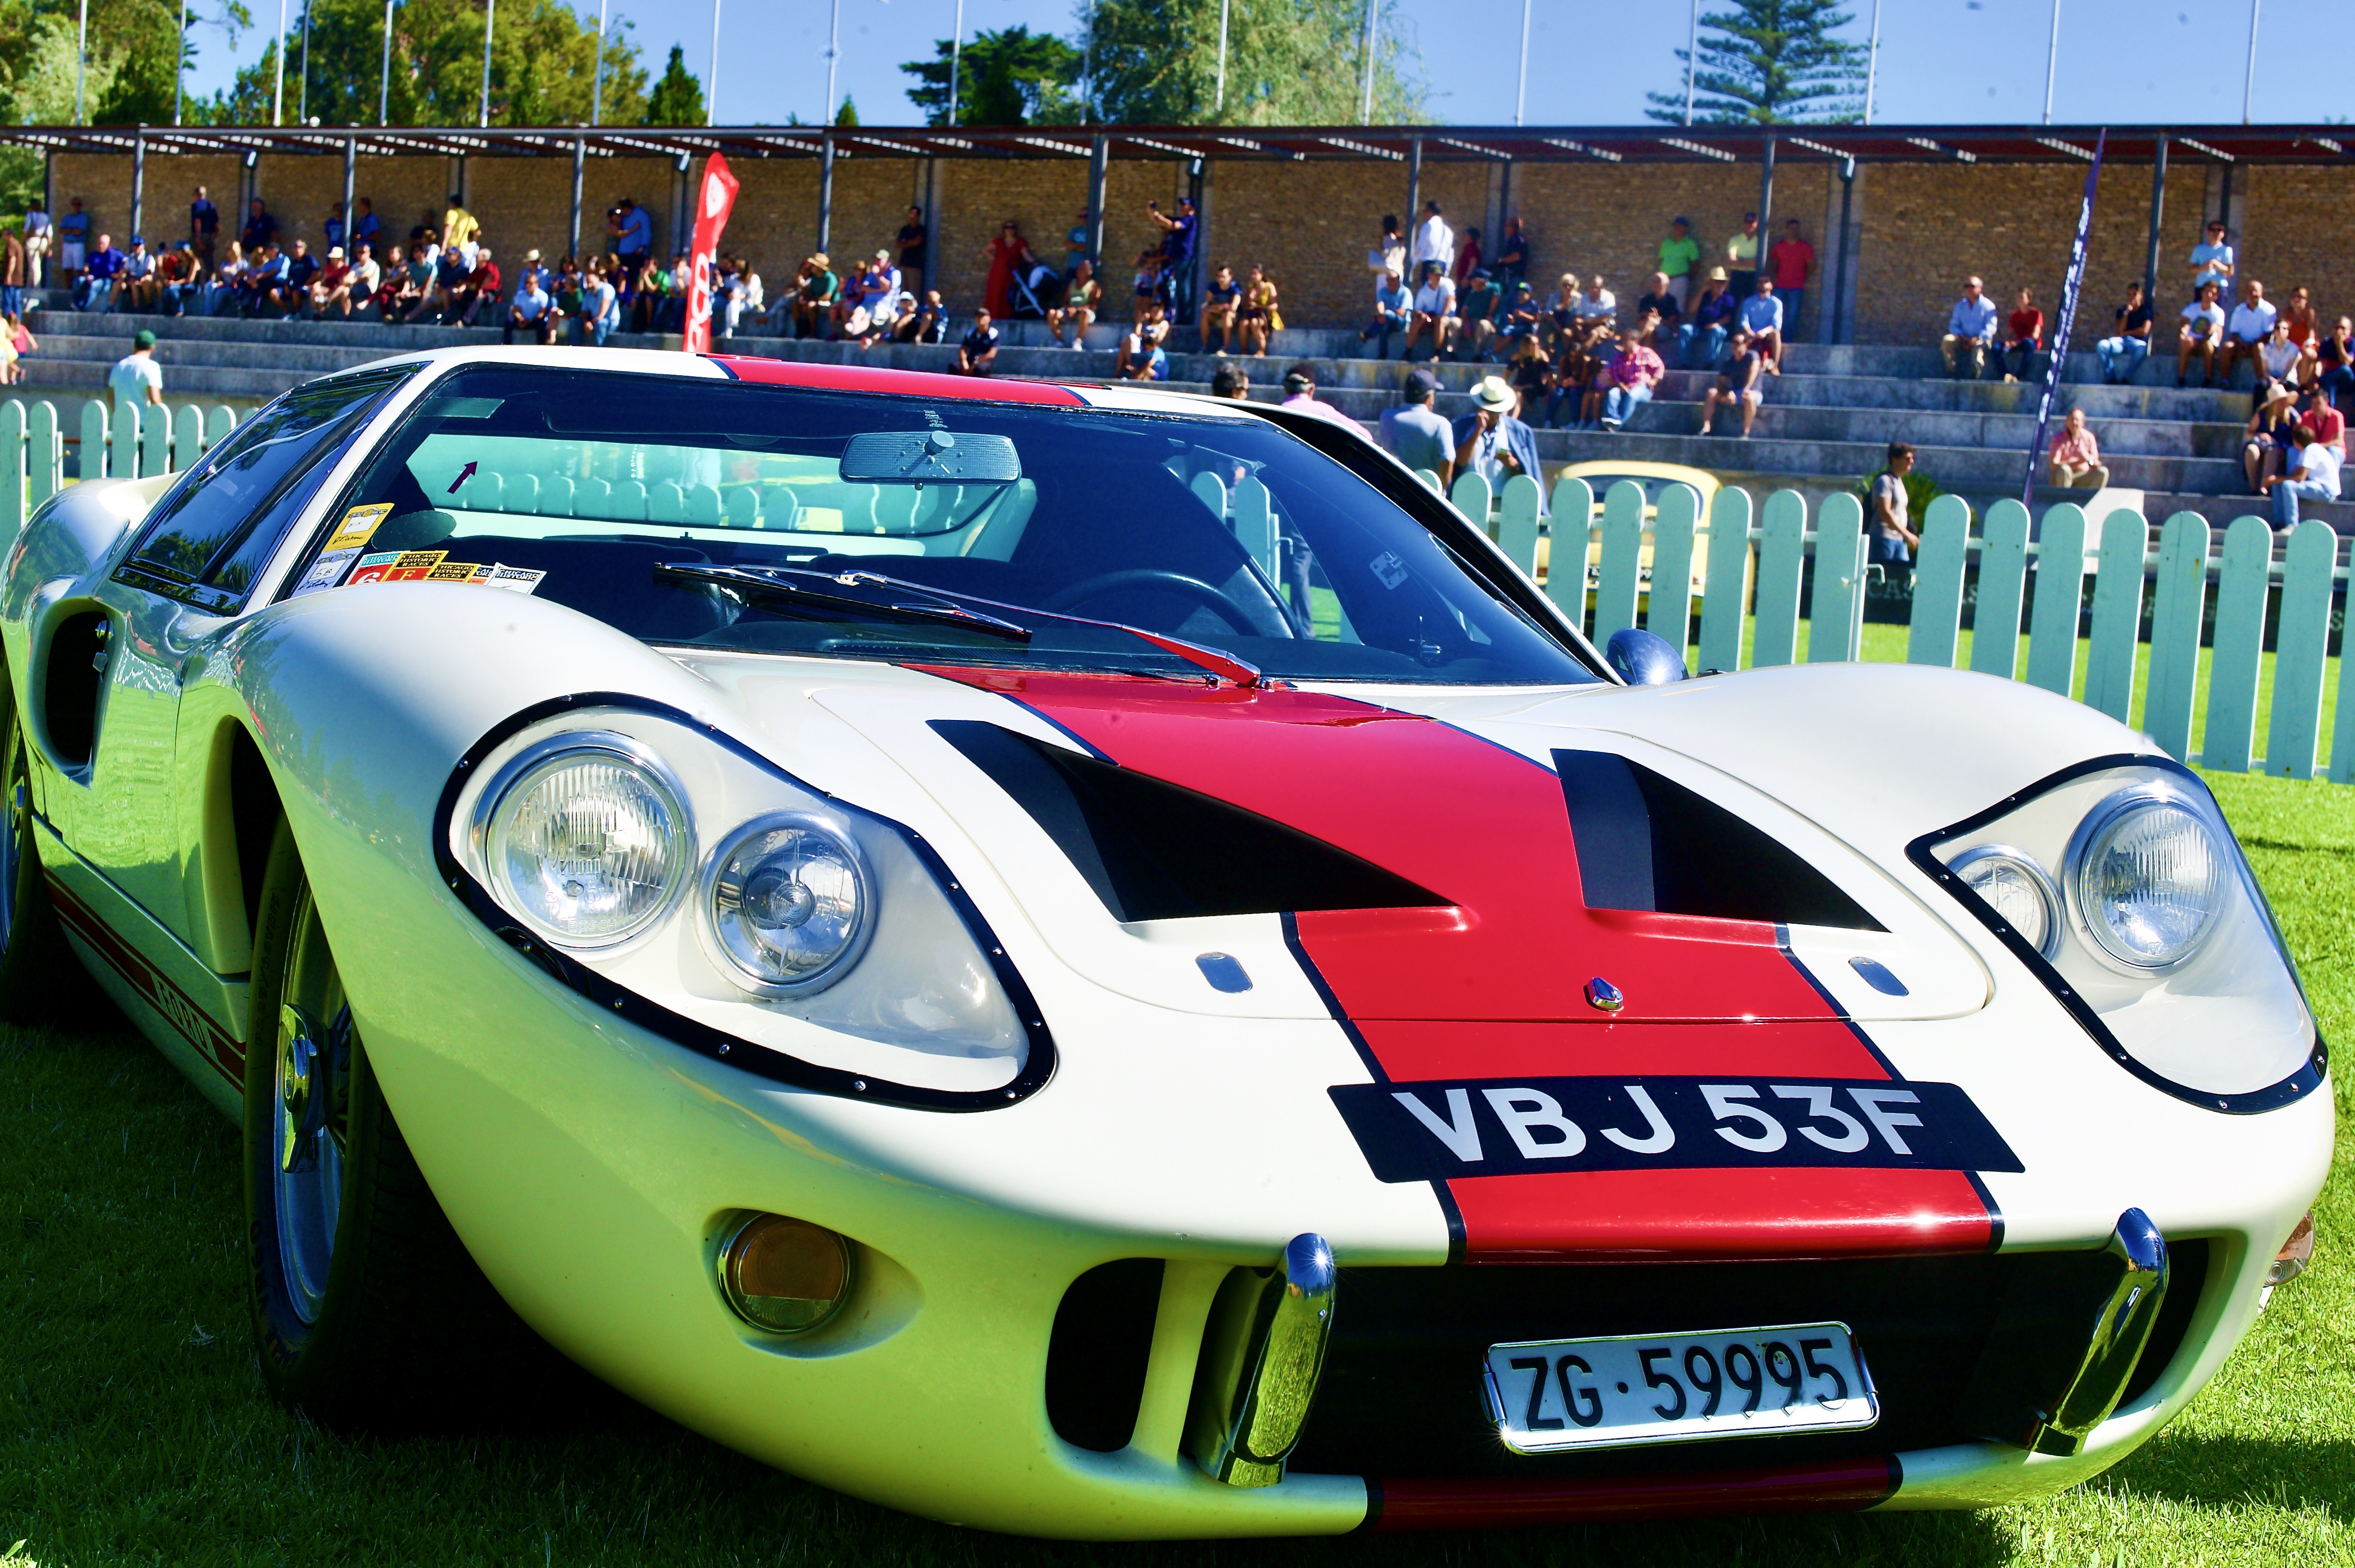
column 2335, row 363
column 1562, row 307
column 979, row 349
column 2280, row 355
column 1511, row 266
column 2328, row 425
column 101, row 268
column 1393, row 312
column 1601, row 355
column 849, row 303
column 1084, row 294
column 814, row 301
column 901, row 328
column 1737, row 386
column 1413, row 432
column 1892, row 539
column 2123, row 352
column 601, row 307
column 300, row 268
column 1300, row 397
column 2246, row 329
column 1573, row 367
column 1762, row 313
column 222, row 286
column 2075, row 461
column 264, row 282
column 2213, row 261
column 1493, row 443
column 1970, row 332
column 1223, row 304
column 2313, row 476
column 1434, row 311
column 1478, row 310
column 1259, row 316
column 931, row 319
column 332, row 285
column 2265, row 442
column 2024, row 337
column 1634, row 374
column 1661, row 302
column 175, row 278
column 2202, row 333
column 1231, row 382
column 1152, row 282
column 2304, row 321
column 482, row 286
column 1597, row 302
column 673, row 315
column 1141, row 356
column 532, row 311
column 137, row 288
column 1523, row 317
column 1531, row 370
column 1713, row 315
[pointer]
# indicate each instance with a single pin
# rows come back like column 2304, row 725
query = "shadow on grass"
column 2217, row 1471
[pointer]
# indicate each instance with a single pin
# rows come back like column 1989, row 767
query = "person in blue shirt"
column 1394, row 311
column 1712, row 317
column 260, row 228
column 1970, row 331
column 633, row 231
column 2213, row 261
column 1762, row 313
column 100, row 272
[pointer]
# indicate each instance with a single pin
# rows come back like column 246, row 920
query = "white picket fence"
column 135, row 444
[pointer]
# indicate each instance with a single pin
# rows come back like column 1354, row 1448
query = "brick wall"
column 1923, row 227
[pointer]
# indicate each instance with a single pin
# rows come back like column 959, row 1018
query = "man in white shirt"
column 1597, row 302
column 1434, row 310
column 1970, row 331
column 2245, row 331
column 2313, row 475
column 136, row 379
column 1433, row 241
column 366, row 276
column 2203, row 327
column 2280, row 353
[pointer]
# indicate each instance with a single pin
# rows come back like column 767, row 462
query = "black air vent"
column 1099, row 1352
column 1154, row 850
column 1646, row 842
column 77, row 677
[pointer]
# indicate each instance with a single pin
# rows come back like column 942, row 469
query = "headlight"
column 2016, row 888
column 585, row 839
column 787, row 902
column 2146, row 877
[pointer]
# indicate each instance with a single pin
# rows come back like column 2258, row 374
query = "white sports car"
column 1097, row 963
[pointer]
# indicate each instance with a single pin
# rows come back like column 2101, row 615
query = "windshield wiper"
column 777, row 582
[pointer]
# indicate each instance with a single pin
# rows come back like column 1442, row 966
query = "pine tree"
column 678, row 98
column 849, row 113
column 1012, row 76
column 1772, row 62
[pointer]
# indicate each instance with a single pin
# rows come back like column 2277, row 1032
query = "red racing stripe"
column 1493, row 986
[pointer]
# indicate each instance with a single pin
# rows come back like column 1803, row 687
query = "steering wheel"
column 1158, row 580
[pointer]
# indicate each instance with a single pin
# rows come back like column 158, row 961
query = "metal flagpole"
column 1366, row 115
column 956, row 58
column 2051, row 61
column 490, row 16
column 712, row 87
column 180, row 72
column 1693, row 57
column 1521, row 93
column 82, row 56
column 278, row 82
column 384, row 83
column 1219, row 104
column 2249, row 85
column 303, row 91
column 833, row 56
column 1872, row 61
column 597, row 75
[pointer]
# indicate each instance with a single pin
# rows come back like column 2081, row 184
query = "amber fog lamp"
column 2296, row 1253
column 783, row 1276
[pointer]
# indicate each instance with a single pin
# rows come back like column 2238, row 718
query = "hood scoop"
column 1156, row 850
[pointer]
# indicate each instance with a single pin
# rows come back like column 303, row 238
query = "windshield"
column 775, row 519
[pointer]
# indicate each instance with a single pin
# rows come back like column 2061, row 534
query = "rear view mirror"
column 929, row 457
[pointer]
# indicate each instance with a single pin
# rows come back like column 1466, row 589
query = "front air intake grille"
column 1401, row 1394
column 1099, row 1352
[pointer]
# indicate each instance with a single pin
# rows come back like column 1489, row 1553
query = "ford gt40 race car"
column 1097, row 963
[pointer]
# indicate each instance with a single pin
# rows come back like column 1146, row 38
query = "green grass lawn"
column 132, row 1428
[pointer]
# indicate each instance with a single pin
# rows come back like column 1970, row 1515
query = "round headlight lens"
column 587, row 846
column 2148, row 880
column 789, row 904
column 2016, row 888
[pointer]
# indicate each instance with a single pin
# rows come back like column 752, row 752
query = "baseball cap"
column 1421, row 384
column 142, row 339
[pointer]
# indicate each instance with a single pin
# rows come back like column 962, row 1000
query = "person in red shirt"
column 2026, row 325
column 481, row 284
column 2327, row 424
column 1789, row 263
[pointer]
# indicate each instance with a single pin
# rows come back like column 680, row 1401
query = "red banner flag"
column 716, row 198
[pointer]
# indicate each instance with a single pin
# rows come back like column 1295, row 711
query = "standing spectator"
column 2265, row 442
column 2280, row 355
column 38, row 235
column 1387, row 253
column 633, row 234
column 2245, row 331
column 1477, row 308
column 1762, row 313
column 2328, row 425
column 1970, row 333
column 21, row 339
column 458, row 225
column 73, row 238
column 2214, row 262
column 2027, row 339
column 1177, row 236
column 1433, row 241
column 1492, row 442
column 1680, row 259
column 2123, row 352
column 1742, row 257
column 12, row 273
column 1152, row 284
column 1511, row 268
column 334, row 226
column 333, row 286
column 1222, row 301
column 137, row 379
column 1434, row 310
column 1075, row 244
column 1634, row 374
column 2202, row 330
column 913, row 247
column 1468, row 256
column 1661, row 302
column 1893, row 539
column 531, row 311
column 2313, row 476
column 1393, row 312
column 204, row 226
column 979, row 349
column 365, row 228
column 1081, row 300
column 2335, row 363
column 1258, row 315
column 1416, row 434
column 100, row 272
column 1789, row 264
column 1300, row 397
column 1714, row 315
column 260, row 228
column 2075, row 462
column 1231, row 382
column 1004, row 254
column 1737, row 387
column 1597, row 302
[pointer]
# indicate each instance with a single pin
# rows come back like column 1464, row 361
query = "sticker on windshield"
column 372, row 568
column 1389, row 568
column 414, row 565
column 513, row 579
column 453, row 572
column 358, row 525
column 326, row 572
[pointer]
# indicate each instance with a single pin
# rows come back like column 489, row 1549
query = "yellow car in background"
column 1655, row 477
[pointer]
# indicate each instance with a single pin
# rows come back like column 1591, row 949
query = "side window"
column 211, row 535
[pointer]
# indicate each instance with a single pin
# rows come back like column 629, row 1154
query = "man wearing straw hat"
column 1492, row 442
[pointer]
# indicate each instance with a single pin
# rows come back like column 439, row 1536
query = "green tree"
column 1289, row 62
column 543, row 57
column 678, row 98
column 849, row 113
column 1012, row 76
column 1772, row 62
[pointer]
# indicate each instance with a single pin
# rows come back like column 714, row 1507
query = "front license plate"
column 1549, row 1395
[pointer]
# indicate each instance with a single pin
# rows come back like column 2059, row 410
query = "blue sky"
column 1591, row 62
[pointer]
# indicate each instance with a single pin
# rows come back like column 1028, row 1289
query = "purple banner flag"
column 2067, row 319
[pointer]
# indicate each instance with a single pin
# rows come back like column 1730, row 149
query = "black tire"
column 41, row 979
column 402, row 1333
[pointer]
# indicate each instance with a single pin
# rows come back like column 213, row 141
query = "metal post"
column 81, row 58
column 384, row 83
column 597, row 73
column 932, row 224
column 2051, row 61
column 1088, row 63
column 1872, row 61
column 1693, row 57
column 2158, row 212
column 1219, row 103
column 1522, row 92
column 2249, row 84
column 490, row 14
column 1766, row 211
column 826, row 189
column 956, row 59
column 1829, row 323
column 278, row 56
column 1413, row 188
column 711, row 87
column 302, row 89
column 351, row 218
column 180, row 64
column 138, row 180
column 1366, row 115
column 833, row 56
column 1099, row 165
column 580, row 156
